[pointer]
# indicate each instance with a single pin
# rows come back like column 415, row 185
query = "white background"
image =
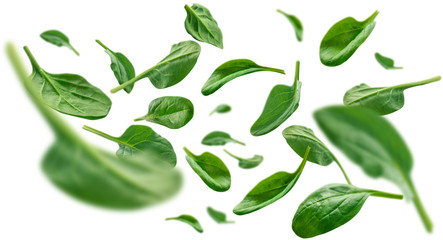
column 408, row 31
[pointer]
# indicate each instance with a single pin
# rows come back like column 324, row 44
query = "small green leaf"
column 171, row 112
column 344, row 38
column 139, row 139
column 281, row 104
column 219, row 138
column 121, row 66
column 231, row 70
column 247, row 163
column 385, row 62
column 58, row 39
column 192, row 221
column 202, row 26
column 296, row 24
column 383, row 100
column 270, row 189
column 330, row 207
column 218, row 216
column 210, row 169
column 222, row 108
column 69, row 93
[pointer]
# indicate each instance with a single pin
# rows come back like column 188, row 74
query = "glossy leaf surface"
column 210, row 169
column 231, row 70
column 58, row 39
column 383, row 100
column 202, row 26
column 190, row 220
column 344, row 38
column 270, row 189
column 386, row 62
column 171, row 112
column 246, row 163
column 70, row 94
column 121, row 66
column 281, row 104
column 219, row 217
column 219, row 138
column 296, row 24
column 222, row 108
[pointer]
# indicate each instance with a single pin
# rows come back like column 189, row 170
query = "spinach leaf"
column 385, row 62
column 91, row 174
column 383, row 100
column 270, row 189
column 247, row 163
column 296, row 24
column 222, row 108
column 171, row 112
column 202, row 26
column 371, row 142
column 300, row 137
column 170, row 70
column 219, row 138
column 141, row 139
column 121, row 66
column 281, row 103
column 231, row 70
column 58, row 39
column 69, row 93
column 343, row 39
column 192, row 221
column 330, row 207
column 210, row 169
column 218, row 216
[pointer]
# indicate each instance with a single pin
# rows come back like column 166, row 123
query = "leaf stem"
column 303, row 163
column 132, row 81
column 297, row 73
column 73, row 49
column 420, row 208
column 230, row 154
column 100, row 133
column 277, row 70
column 239, row 142
column 343, row 171
column 34, row 62
column 372, row 17
column 418, row 83
column 103, row 45
column 386, row 195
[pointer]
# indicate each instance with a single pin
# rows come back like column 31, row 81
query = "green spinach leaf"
column 371, row 142
column 330, row 207
column 296, row 24
column 210, row 169
column 270, row 189
column 171, row 112
column 218, row 216
column 231, row 70
column 141, row 139
column 69, row 93
column 281, row 103
column 343, row 39
column 222, row 108
column 385, row 62
column 58, row 39
column 121, row 66
column 170, row 70
column 247, row 163
column 202, row 26
column 192, row 221
column 383, row 100
column 219, row 138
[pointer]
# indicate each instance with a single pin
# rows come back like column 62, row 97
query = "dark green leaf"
column 383, row 100
column 202, row 26
column 95, row 176
column 121, row 66
column 210, row 169
column 281, row 103
column 231, row 70
column 171, row 112
column 139, row 139
column 69, row 93
column 58, row 39
column 247, row 162
column 385, row 62
column 296, row 24
column 170, row 70
column 192, row 221
column 218, row 216
column 330, row 207
column 222, row 108
column 343, row 39
column 218, row 138
column 270, row 189
column 371, row 142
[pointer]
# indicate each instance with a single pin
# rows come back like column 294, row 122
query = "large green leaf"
column 58, row 39
column 190, row 220
column 202, row 26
